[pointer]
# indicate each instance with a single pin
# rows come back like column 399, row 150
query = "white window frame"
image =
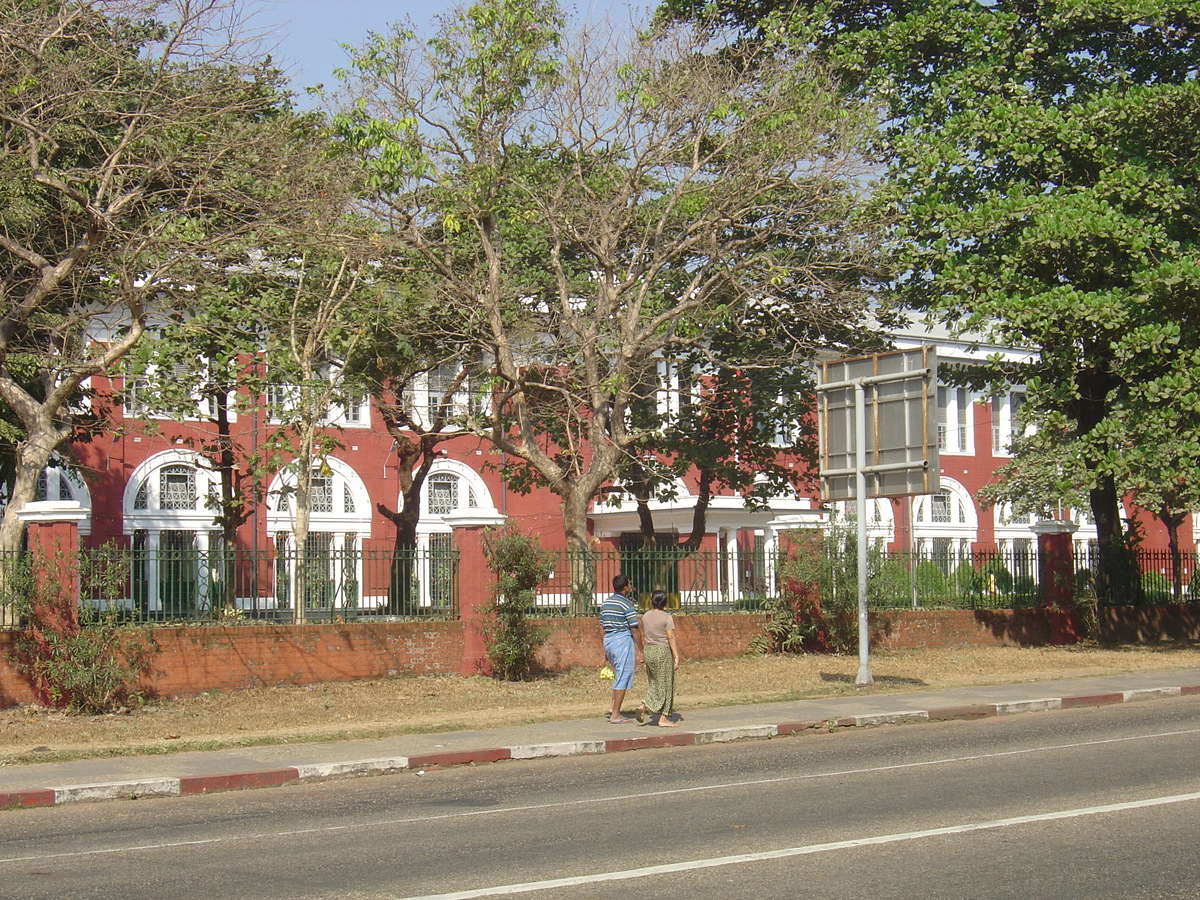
column 956, row 420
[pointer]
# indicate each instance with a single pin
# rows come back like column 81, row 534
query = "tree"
column 137, row 142
column 423, row 401
column 1042, row 163
column 200, row 369
column 747, row 430
column 586, row 204
column 313, row 308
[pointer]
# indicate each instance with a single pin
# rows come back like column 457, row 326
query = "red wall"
column 193, row 660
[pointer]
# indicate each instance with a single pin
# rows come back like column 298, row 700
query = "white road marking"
column 639, row 797
column 742, row 858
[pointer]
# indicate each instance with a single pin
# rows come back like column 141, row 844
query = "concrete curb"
column 166, row 786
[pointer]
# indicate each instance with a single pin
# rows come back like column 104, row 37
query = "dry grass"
column 410, row 704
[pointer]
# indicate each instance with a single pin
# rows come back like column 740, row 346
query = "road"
column 1101, row 803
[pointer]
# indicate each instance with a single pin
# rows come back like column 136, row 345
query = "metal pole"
column 860, row 505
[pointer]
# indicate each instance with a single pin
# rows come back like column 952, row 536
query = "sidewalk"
column 51, row 784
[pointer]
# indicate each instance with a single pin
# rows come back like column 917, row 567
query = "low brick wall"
column 192, row 660
column 576, row 642
column 898, row 629
column 1135, row 624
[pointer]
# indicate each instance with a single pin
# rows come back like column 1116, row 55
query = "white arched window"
column 1016, row 540
column 451, row 488
column 169, row 508
column 880, row 520
column 945, row 524
column 339, row 522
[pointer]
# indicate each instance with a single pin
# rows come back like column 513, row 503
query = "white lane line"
column 742, row 858
column 612, row 798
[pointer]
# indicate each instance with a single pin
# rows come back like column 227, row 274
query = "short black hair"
column 620, row 582
column 658, row 599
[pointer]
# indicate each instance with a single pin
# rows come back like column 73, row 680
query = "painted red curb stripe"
column 978, row 711
column 1092, row 700
column 233, row 781
column 460, row 757
column 617, row 745
column 26, row 799
column 1190, row 689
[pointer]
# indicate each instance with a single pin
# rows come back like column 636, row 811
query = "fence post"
column 52, row 528
column 1056, row 572
column 474, row 584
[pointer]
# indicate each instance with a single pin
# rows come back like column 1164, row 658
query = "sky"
column 309, row 32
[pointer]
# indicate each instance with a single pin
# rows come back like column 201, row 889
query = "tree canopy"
column 582, row 204
column 139, row 143
column 1042, row 165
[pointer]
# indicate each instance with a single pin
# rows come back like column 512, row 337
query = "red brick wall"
column 193, row 660
column 576, row 642
column 1149, row 623
column 956, row 627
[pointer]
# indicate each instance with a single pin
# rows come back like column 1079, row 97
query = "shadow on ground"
column 838, row 678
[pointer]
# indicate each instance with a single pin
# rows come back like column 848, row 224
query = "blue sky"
column 309, row 32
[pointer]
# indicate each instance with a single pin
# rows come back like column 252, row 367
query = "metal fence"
column 697, row 582
column 326, row 584
column 978, row 580
column 1011, row 580
column 319, row 584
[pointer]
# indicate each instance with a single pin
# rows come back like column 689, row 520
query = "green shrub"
column 519, row 566
column 78, row 656
column 1157, row 588
column 931, row 583
column 889, row 584
column 817, row 610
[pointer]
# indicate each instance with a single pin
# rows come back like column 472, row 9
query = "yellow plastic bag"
column 606, row 673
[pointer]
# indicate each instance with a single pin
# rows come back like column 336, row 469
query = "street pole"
column 860, row 505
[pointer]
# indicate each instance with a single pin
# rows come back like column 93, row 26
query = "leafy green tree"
column 137, row 141
column 585, row 205
column 1042, row 163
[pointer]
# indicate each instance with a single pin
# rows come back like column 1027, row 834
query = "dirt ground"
column 413, row 704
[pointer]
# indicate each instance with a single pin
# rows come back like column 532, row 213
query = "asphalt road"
column 1100, row 803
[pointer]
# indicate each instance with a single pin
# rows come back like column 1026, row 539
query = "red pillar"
column 1056, row 565
column 52, row 536
column 474, row 586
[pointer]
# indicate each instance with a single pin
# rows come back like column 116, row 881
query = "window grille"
column 321, row 495
column 939, row 506
column 443, row 494
column 177, row 487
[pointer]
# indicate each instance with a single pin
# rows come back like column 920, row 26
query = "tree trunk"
column 581, row 556
column 1117, row 577
column 32, row 456
column 402, row 587
column 403, row 596
column 232, row 513
column 1172, row 523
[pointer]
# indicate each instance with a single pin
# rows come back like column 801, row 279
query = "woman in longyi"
column 660, row 651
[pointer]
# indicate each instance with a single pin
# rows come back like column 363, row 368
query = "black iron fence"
column 319, row 584
column 325, row 584
column 707, row 581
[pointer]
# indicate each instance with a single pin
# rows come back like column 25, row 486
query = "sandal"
column 641, row 714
